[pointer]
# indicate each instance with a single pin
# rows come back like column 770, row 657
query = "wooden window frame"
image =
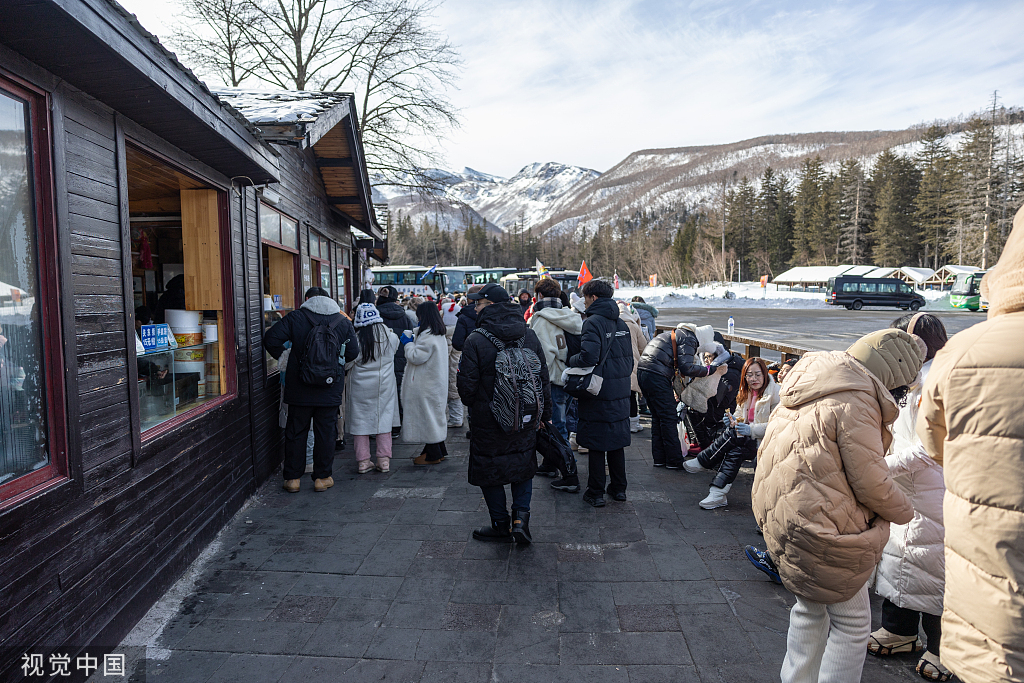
column 40, row 140
column 142, row 439
column 317, row 279
column 281, row 214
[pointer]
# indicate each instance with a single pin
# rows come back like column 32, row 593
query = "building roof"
column 881, row 272
column 327, row 123
column 918, row 275
column 102, row 49
column 806, row 275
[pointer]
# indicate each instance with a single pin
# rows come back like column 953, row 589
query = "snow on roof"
column 881, row 272
column 280, row 107
column 957, row 270
column 917, row 274
column 858, row 270
column 810, row 274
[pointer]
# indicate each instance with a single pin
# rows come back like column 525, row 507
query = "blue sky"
column 588, row 82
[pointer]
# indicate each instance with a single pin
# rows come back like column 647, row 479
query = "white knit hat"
column 367, row 314
column 449, row 314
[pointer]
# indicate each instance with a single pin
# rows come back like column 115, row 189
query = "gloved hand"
column 742, row 429
column 406, row 337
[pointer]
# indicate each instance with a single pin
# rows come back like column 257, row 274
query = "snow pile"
column 746, row 295
column 265, row 107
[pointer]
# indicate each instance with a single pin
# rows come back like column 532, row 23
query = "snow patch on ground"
column 747, row 295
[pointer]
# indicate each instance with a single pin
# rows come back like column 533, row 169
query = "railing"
column 754, row 346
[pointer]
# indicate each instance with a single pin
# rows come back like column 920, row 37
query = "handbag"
column 556, row 451
column 585, row 382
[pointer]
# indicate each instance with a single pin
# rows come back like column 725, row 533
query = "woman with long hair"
column 425, row 386
column 757, row 397
column 371, row 396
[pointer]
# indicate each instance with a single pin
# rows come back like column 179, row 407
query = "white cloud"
column 587, row 82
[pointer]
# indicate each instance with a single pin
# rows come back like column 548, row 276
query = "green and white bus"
column 966, row 292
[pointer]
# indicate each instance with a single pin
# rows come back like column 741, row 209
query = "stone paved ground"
column 378, row 579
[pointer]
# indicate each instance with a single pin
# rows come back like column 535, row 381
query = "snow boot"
column 521, row 527
column 634, row 425
column 497, row 532
column 716, row 498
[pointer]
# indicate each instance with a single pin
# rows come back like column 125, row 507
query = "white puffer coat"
column 425, row 388
column 912, row 569
column 371, row 393
column 453, row 364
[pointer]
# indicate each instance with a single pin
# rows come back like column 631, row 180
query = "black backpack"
column 518, row 399
column 319, row 365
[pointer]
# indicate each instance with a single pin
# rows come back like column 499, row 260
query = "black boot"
column 497, row 532
column 521, row 527
column 570, row 483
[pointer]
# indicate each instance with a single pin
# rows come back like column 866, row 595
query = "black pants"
column 903, row 622
column 616, row 470
column 634, row 405
column 325, row 432
column 665, row 446
column 727, row 453
column 435, row 451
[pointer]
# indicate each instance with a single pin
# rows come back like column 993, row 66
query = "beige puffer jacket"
column 972, row 422
column 822, row 492
column 453, row 364
column 629, row 316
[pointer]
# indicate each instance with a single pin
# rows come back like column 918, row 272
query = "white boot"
column 454, row 413
column 693, row 466
column 716, row 498
column 634, row 424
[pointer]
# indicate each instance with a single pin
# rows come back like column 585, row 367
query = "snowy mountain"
column 532, row 195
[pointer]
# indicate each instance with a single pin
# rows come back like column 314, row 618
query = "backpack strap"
column 491, row 338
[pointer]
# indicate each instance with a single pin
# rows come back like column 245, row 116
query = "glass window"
column 868, row 287
column 23, row 401
column 289, row 232
column 905, row 288
column 279, row 295
column 887, row 287
column 270, row 224
column 178, row 227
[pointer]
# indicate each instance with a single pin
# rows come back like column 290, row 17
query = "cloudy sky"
column 586, row 82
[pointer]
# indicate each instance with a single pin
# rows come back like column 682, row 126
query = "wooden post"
column 753, row 351
column 221, row 356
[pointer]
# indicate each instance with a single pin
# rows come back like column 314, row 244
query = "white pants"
column 827, row 643
column 454, row 412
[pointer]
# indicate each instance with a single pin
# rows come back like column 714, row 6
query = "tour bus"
column 412, row 280
column 567, row 279
column 460, row 278
column 966, row 292
column 485, row 276
column 857, row 292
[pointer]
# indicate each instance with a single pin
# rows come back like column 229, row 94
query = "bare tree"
column 385, row 51
column 209, row 36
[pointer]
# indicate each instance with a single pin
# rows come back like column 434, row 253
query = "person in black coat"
column 395, row 318
column 307, row 402
column 466, row 322
column 603, row 425
column 658, row 365
column 173, row 298
column 497, row 458
column 706, row 427
column 525, row 300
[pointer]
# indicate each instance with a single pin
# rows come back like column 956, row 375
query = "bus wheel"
column 914, row 305
column 858, row 304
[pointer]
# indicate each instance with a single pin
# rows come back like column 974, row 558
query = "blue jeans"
column 559, row 401
column 496, row 501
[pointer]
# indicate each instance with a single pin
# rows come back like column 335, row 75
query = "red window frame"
column 227, row 297
column 40, row 133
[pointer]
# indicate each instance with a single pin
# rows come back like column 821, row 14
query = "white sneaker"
column 634, row 424
column 454, row 425
column 693, row 466
column 716, row 498
column 572, row 442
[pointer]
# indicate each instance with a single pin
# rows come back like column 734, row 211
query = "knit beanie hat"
column 893, row 356
column 387, row 293
column 1003, row 285
column 449, row 314
column 367, row 314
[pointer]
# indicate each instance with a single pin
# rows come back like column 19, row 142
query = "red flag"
column 584, row 276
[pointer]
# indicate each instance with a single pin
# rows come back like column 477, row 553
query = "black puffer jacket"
column 294, row 328
column 657, row 356
column 464, row 326
column 394, row 317
column 604, row 419
column 497, row 458
column 728, row 387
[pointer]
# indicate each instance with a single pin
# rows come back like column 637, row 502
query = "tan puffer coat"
column 822, row 491
column 632, row 319
column 972, row 422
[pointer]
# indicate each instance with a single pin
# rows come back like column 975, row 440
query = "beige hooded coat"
column 822, row 491
column 629, row 316
column 972, row 423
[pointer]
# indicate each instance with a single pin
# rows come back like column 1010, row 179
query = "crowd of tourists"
column 896, row 465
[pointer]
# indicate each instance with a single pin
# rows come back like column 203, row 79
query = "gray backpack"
column 518, row 399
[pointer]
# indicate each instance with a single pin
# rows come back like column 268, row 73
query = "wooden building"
column 126, row 185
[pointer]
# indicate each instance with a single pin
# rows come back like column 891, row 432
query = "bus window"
column 868, row 287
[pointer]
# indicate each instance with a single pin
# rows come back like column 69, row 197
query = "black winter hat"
column 492, row 292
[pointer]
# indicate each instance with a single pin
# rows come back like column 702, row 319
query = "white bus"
column 567, row 280
column 460, row 278
column 412, row 280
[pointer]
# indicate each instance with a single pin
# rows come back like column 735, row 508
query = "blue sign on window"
column 155, row 336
